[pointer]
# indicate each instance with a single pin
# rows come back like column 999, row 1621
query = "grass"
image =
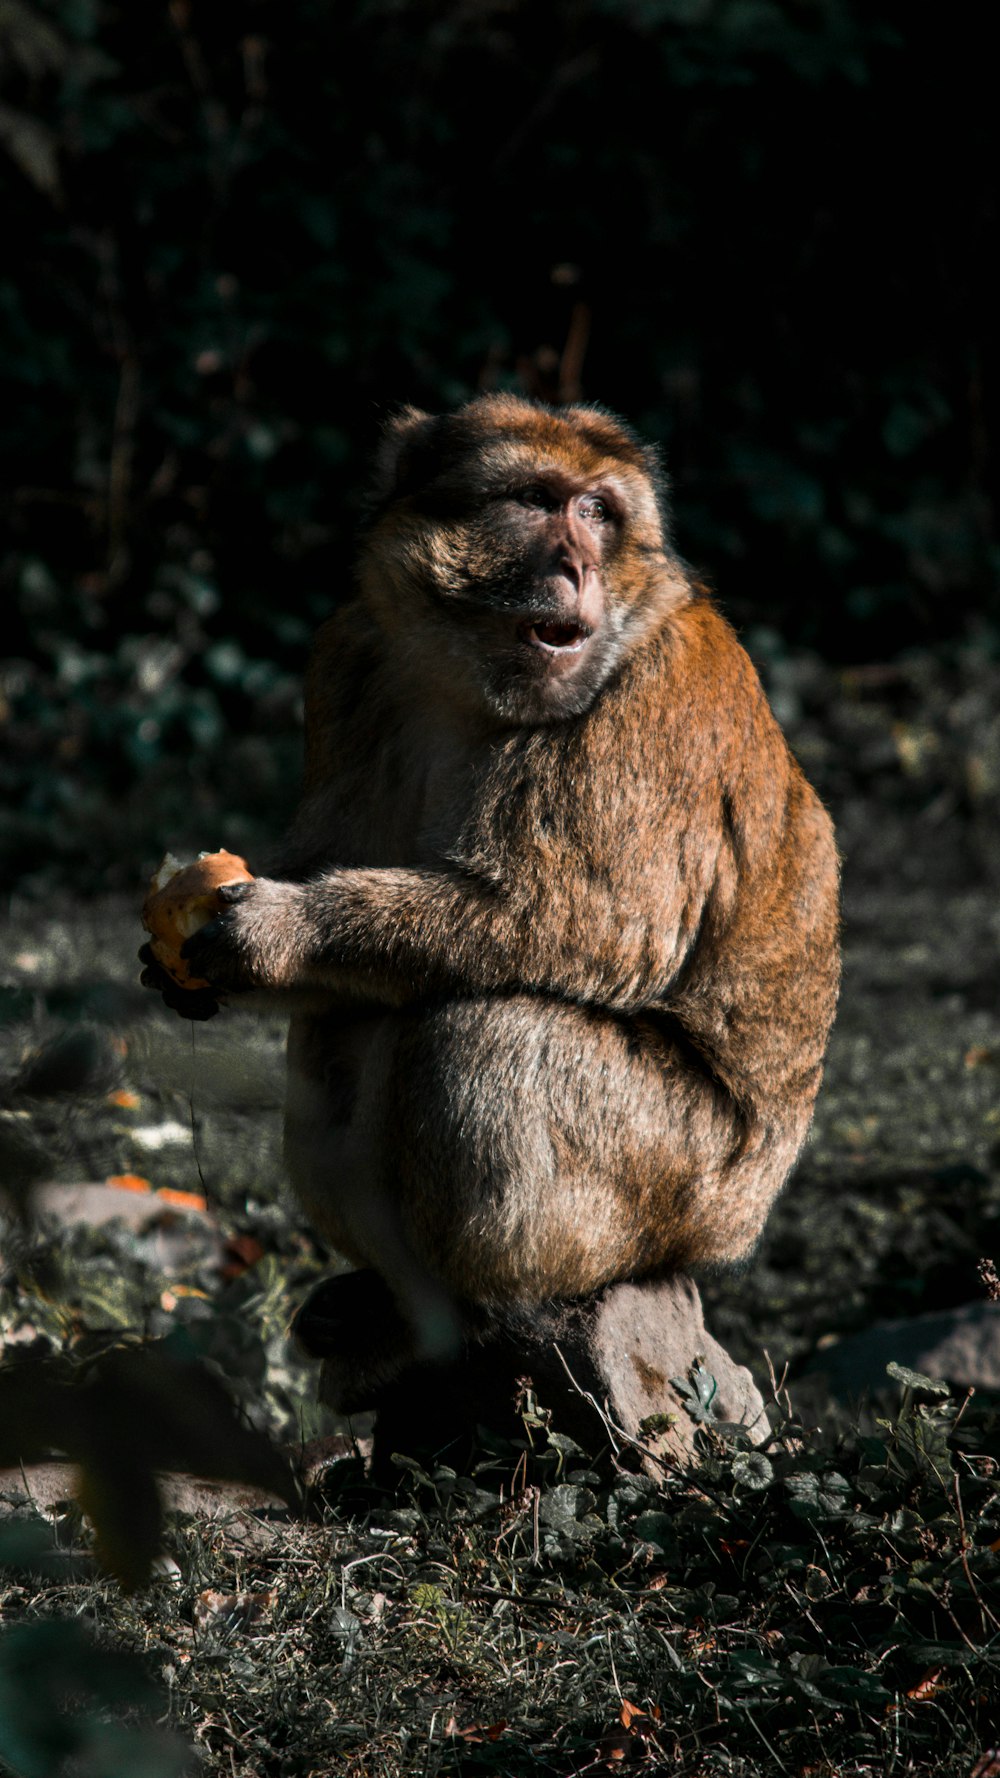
column 826, row 1605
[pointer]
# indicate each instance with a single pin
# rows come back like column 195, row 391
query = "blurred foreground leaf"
column 56, row 1688
column 121, row 1419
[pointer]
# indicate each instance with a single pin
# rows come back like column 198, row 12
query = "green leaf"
column 900, row 1373
column 751, row 1469
column 656, row 1528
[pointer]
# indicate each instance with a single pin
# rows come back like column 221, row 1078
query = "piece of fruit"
column 180, row 900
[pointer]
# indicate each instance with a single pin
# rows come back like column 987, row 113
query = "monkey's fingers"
column 231, row 892
column 213, row 951
column 197, row 1004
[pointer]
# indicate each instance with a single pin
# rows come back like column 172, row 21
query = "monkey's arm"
column 394, row 936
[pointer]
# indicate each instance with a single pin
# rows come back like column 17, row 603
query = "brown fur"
column 561, row 927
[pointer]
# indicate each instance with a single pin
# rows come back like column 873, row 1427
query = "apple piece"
column 182, row 898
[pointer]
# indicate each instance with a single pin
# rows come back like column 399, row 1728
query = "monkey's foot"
column 352, row 1323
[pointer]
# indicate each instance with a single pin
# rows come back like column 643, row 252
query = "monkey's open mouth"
column 554, row 637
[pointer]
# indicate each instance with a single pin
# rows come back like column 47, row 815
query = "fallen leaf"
column 241, row 1252
column 476, row 1732
column 630, row 1741
column 182, row 1200
column 164, row 1194
column 613, row 1747
column 928, row 1686
column 234, row 1610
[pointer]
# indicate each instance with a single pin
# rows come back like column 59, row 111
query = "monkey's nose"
column 570, row 569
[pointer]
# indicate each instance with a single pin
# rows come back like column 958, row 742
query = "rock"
column 51, row 1488
column 173, row 1230
column 601, row 1367
column 962, row 1346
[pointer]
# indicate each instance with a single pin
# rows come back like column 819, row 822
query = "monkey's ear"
column 407, row 455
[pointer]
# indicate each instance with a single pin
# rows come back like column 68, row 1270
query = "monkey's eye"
column 538, row 495
column 594, row 509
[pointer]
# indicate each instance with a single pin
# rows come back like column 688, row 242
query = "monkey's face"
column 519, row 554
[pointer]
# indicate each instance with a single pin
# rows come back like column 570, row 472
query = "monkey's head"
column 515, row 554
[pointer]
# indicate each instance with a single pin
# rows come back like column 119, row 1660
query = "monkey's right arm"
column 394, row 936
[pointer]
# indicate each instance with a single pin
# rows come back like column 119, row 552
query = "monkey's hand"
column 190, row 1003
column 255, row 942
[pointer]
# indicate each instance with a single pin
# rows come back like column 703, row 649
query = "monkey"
column 556, row 919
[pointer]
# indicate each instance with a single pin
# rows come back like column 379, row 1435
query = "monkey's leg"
column 488, row 1156
column 539, row 1150
column 370, row 1324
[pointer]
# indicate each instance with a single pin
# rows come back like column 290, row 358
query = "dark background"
column 235, row 237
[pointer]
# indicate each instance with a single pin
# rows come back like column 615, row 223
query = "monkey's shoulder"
column 687, row 701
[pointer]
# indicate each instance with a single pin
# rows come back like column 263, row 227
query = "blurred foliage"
column 235, row 239
column 58, row 1690
column 122, row 1417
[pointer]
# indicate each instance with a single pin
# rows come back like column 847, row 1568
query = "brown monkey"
column 557, row 916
